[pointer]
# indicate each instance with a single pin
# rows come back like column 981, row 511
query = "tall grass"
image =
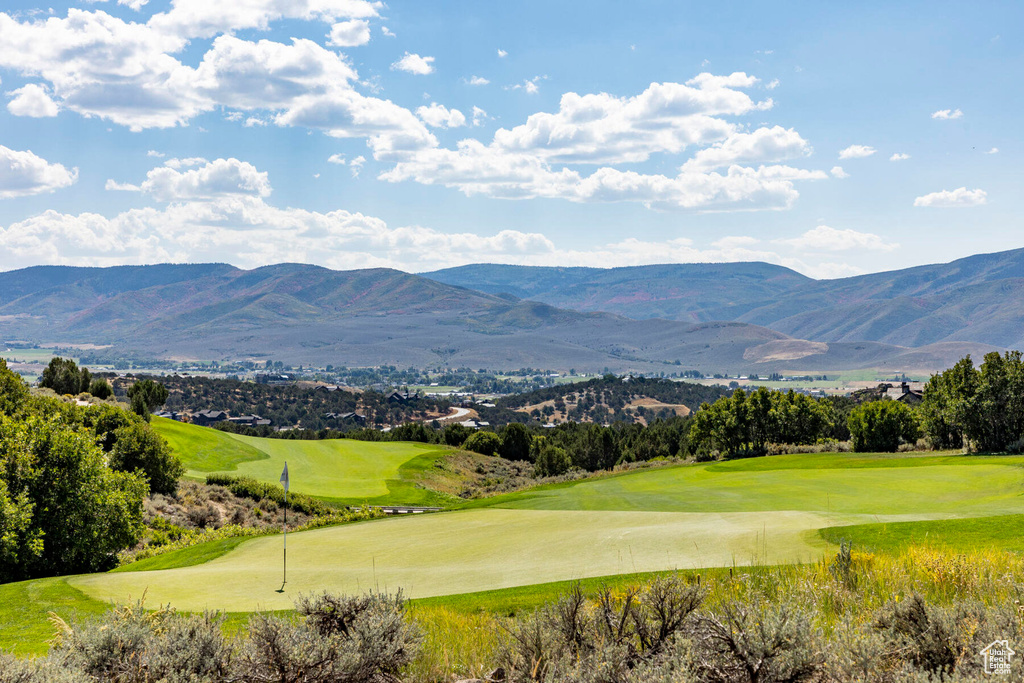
column 464, row 639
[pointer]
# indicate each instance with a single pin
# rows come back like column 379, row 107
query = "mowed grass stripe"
column 950, row 486
column 343, row 470
column 1005, row 532
column 467, row 551
column 203, row 450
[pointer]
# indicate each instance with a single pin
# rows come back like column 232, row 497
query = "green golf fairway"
column 954, row 486
column 720, row 514
column 339, row 469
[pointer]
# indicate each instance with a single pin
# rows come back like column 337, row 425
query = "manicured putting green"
column 342, row 469
column 471, row 550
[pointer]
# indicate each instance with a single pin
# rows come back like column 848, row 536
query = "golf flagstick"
column 284, row 482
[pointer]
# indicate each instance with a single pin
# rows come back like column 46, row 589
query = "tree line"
column 64, row 377
column 977, row 408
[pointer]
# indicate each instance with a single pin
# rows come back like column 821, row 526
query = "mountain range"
column 977, row 299
column 737, row 317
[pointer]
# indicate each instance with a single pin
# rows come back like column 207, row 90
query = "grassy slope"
column 24, row 607
column 339, row 470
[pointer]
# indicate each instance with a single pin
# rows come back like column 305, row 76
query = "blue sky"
column 833, row 139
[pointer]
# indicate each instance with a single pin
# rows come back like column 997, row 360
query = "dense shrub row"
column 247, row 487
column 336, row 639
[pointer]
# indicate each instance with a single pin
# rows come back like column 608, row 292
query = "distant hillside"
column 974, row 299
column 613, row 399
column 687, row 291
column 304, row 314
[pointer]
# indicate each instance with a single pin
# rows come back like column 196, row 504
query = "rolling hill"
column 305, row 314
column 975, row 299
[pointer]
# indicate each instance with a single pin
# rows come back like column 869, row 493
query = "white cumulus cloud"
column 953, row 198
column 838, row 172
column 206, row 18
column 414, row 64
column 440, row 116
column 824, row 238
column 899, row 156
column 947, row 114
column 217, row 178
column 762, row 146
column 114, row 186
column 856, row 152
column 477, row 80
column 357, row 165
column 479, row 116
column 23, row 173
column 349, row 33
column 221, row 207
column 32, row 100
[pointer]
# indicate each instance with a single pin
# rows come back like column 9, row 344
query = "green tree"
column 137, row 448
column 552, row 461
column 455, row 434
column 100, row 388
column 145, row 396
column 485, row 443
column 411, row 431
column 994, row 421
column 515, row 442
column 82, row 512
column 13, row 391
column 881, row 426
column 20, row 543
column 945, row 406
column 84, row 380
column 981, row 409
column 62, row 375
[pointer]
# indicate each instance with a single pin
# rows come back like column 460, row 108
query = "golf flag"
column 284, row 477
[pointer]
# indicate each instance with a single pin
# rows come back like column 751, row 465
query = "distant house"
column 355, row 417
column 474, row 424
column 249, row 420
column 399, row 397
column 904, row 394
column 329, row 388
column 205, row 418
column 169, row 414
column 273, row 379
